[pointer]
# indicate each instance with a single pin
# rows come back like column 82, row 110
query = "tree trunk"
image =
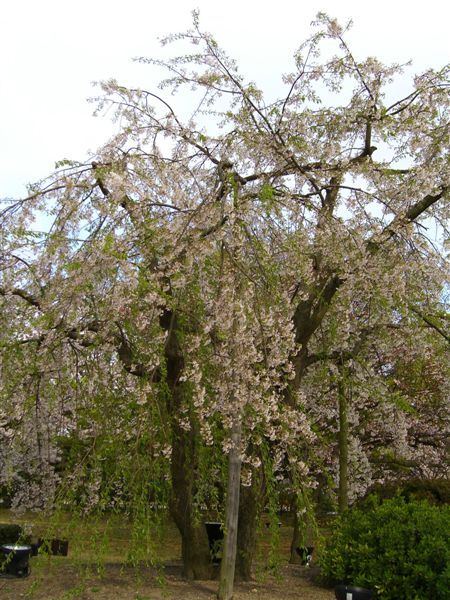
column 184, row 463
column 343, row 448
column 195, row 553
column 249, row 511
column 295, row 558
column 194, row 540
column 231, row 514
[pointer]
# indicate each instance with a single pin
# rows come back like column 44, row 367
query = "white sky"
column 52, row 50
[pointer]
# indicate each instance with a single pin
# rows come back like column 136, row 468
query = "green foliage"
column 396, row 548
column 266, row 193
column 434, row 491
column 272, row 503
column 5, row 496
column 11, row 533
column 65, row 162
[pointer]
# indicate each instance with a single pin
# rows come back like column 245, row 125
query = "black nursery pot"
column 305, row 553
column 268, row 524
column 55, row 547
column 16, row 559
column 350, row 592
column 215, row 539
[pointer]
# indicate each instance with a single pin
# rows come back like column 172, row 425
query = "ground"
column 59, row 582
column 98, row 567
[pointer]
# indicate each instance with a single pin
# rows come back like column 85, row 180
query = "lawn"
column 98, row 566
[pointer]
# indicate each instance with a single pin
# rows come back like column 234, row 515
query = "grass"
column 110, row 537
column 104, row 564
column 93, row 539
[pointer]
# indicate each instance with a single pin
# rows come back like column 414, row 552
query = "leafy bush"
column 399, row 549
column 435, row 491
column 5, row 496
column 11, row 534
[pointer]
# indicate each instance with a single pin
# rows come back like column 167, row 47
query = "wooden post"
column 231, row 513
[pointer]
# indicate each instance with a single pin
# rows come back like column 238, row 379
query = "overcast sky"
column 52, row 50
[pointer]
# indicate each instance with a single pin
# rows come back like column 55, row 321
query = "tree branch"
column 429, row 321
column 373, row 245
column 30, row 298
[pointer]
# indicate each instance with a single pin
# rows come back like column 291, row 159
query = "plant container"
column 350, row 592
column 15, row 559
column 215, row 538
column 56, row 547
column 269, row 523
column 305, row 553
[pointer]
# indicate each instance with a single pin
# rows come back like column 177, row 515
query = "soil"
column 54, row 580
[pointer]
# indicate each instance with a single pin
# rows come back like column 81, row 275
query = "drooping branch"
column 124, row 348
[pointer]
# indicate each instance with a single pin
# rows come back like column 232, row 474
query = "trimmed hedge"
column 398, row 549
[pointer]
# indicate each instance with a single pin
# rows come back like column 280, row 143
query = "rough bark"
column 184, row 464
column 295, row 558
column 194, row 540
column 303, row 532
column 249, row 512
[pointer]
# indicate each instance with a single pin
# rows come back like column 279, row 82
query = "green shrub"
column 399, row 549
column 11, row 534
column 434, row 491
column 5, row 496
